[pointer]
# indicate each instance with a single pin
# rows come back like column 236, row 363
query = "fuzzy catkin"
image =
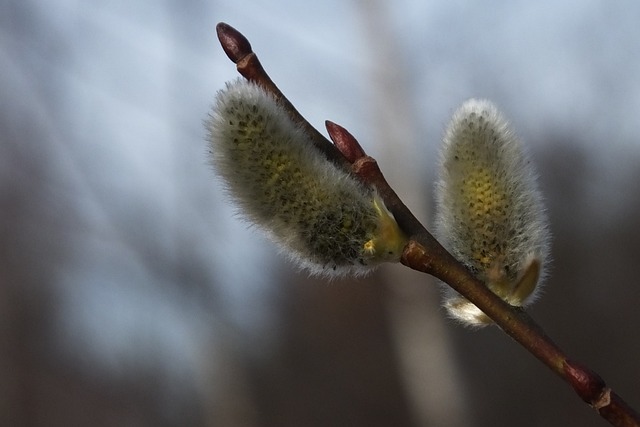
column 319, row 214
column 490, row 213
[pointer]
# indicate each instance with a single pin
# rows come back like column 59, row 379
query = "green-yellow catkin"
column 490, row 213
column 318, row 213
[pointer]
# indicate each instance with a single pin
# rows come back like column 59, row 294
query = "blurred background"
column 132, row 294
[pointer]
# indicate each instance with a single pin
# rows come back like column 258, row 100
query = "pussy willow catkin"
column 490, row 214
column 317, row 212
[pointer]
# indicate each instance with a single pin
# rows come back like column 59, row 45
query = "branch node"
column 603, row 400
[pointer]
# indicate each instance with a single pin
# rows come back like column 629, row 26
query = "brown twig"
column 424, row 253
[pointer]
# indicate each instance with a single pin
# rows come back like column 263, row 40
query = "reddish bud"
column 345, row 142
column 234, row 44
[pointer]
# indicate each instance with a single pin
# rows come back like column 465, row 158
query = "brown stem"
column 424, row 253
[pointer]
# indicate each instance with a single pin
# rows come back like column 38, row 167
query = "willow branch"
column 424, row 253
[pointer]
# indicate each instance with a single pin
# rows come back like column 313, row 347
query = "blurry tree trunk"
column 226, row 397
column 424, row 351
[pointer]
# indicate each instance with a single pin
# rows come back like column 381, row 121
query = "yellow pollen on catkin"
column 487, row 204
column 369, row 248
